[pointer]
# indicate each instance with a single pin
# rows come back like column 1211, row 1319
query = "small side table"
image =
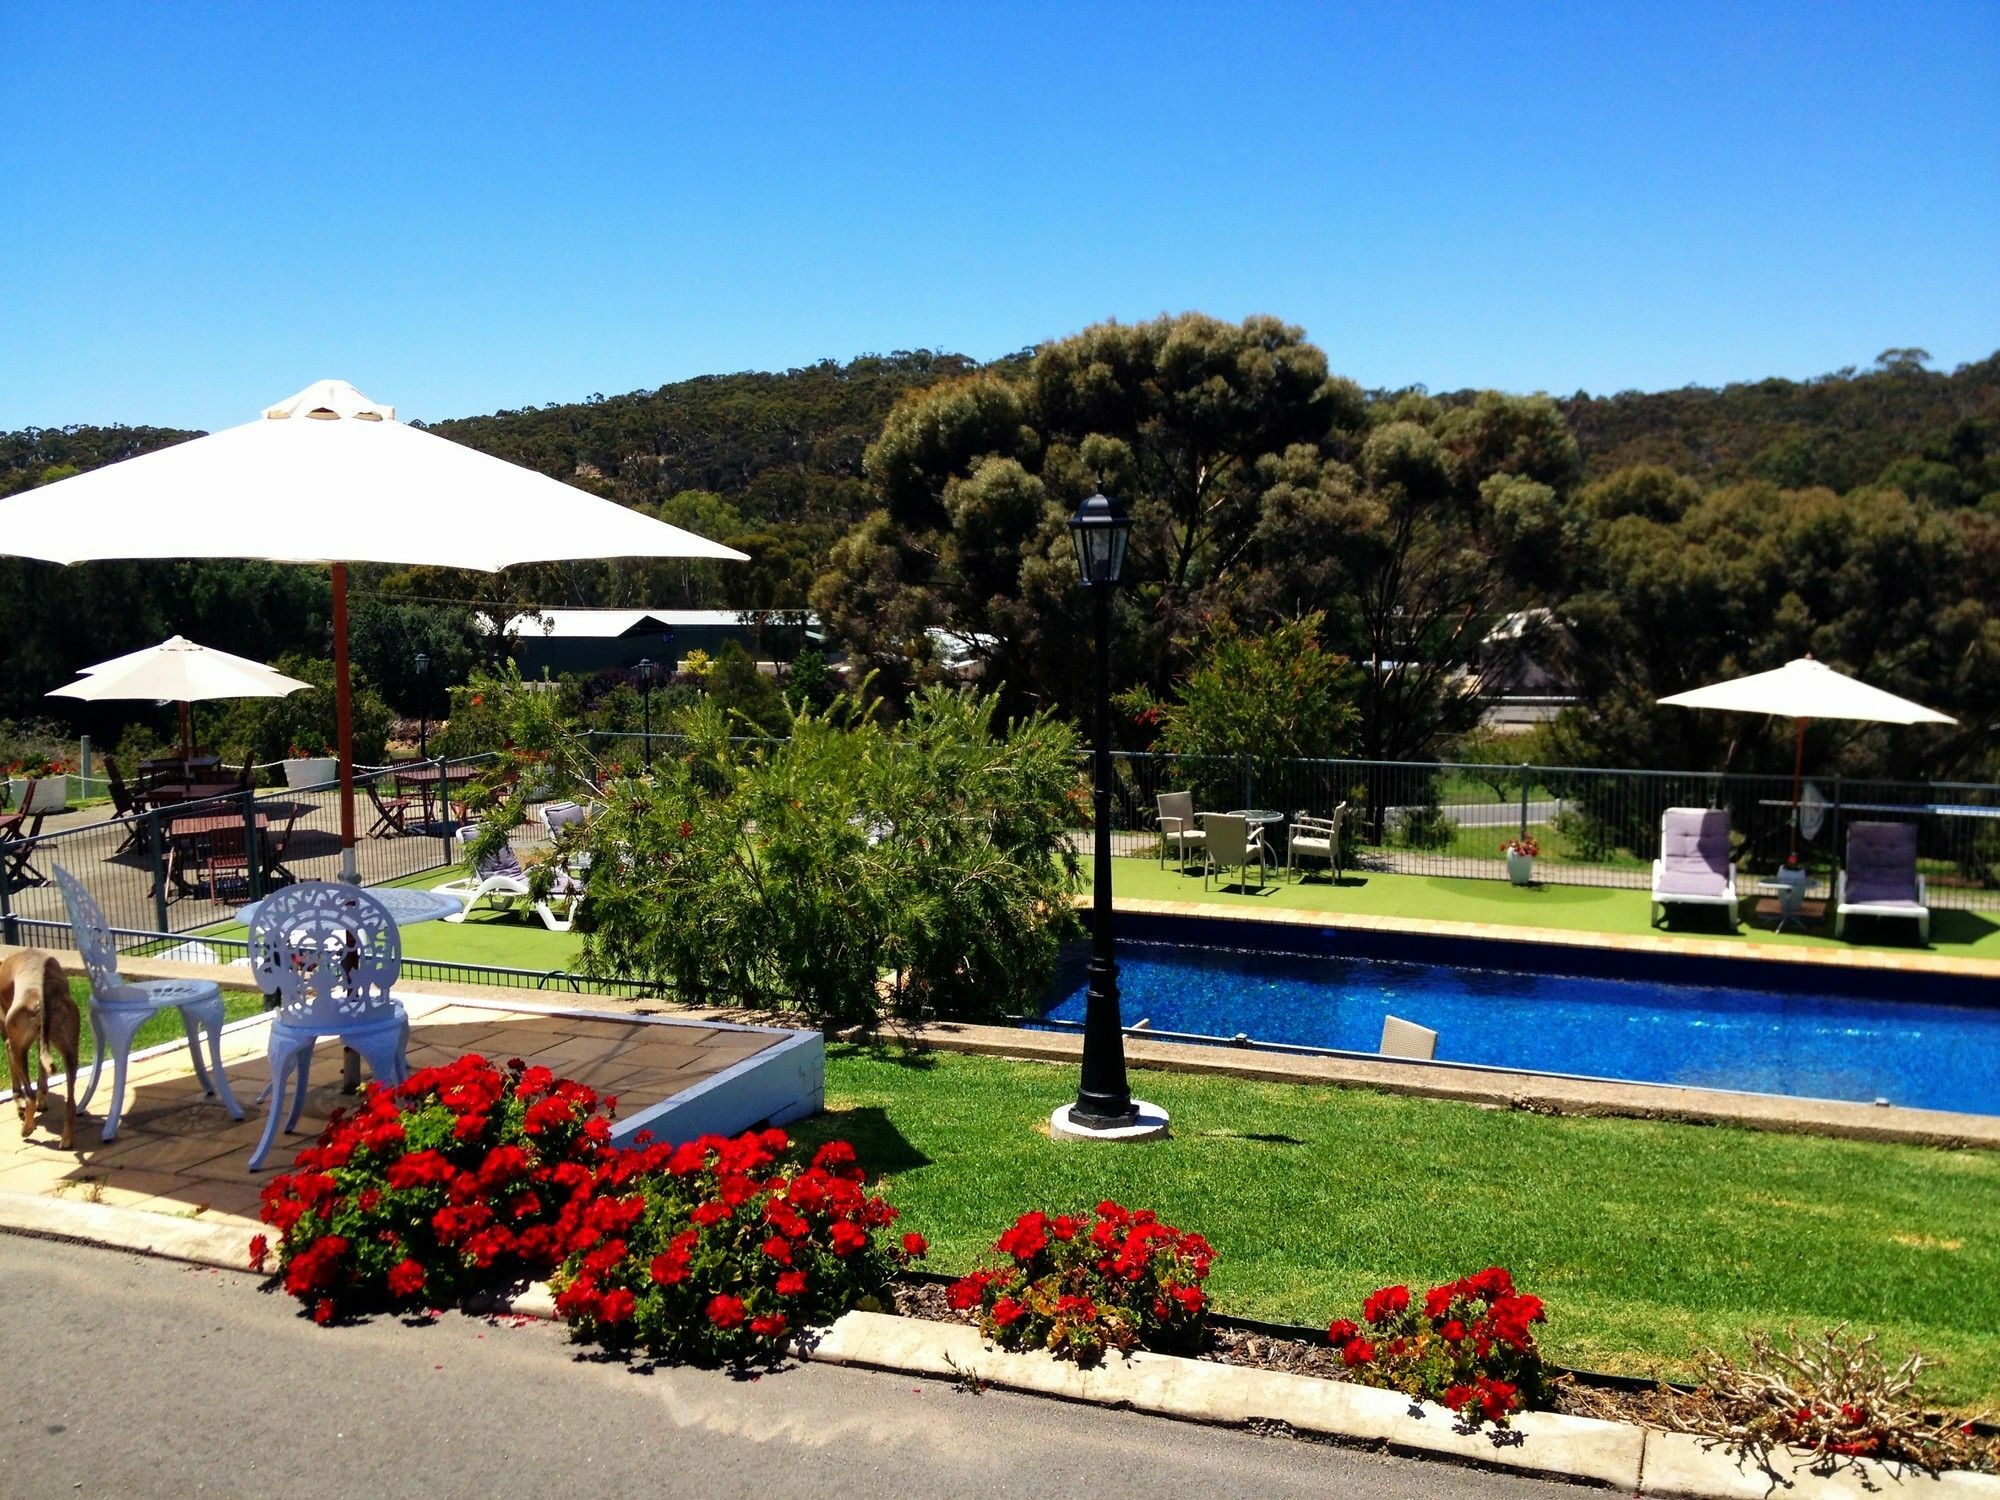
column 1789, row 886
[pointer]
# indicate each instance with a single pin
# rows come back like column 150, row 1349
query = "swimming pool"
column 1766, row 1032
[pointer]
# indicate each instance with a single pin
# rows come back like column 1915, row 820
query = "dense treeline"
column 1671, row 536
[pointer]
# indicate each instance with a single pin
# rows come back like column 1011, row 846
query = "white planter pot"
column 313, row 770
column 51, row 794
column 1521, row 868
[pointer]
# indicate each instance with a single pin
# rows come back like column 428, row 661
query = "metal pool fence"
column 191, row 865
column 1593, row 827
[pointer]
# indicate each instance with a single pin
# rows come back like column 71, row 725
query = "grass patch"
column 164, row 1027
column 1645, row 1238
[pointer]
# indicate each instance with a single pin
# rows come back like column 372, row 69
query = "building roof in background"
column 610, row 624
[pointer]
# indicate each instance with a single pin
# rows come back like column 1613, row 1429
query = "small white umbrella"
column 1803, row 690
column 179, row 671
column 329, row 476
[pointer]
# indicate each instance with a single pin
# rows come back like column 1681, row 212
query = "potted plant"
column 309, row 764
column 1521, row 854
column 38, row 784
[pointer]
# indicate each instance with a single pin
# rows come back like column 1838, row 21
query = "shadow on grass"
column 883, row 1149
column 881, row 1049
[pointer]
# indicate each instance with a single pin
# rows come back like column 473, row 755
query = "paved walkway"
column 219, row 1388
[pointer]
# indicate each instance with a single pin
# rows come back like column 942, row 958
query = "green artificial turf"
column 1646, row 1239
column 1581, row 908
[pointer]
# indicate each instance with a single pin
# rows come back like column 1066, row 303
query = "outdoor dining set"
column 1227, row 841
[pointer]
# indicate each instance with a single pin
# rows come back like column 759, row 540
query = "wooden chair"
column 391, row 816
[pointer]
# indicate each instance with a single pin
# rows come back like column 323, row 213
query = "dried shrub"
column 1833, row 1398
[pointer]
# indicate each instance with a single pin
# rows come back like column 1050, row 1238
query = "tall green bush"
column 843, row 870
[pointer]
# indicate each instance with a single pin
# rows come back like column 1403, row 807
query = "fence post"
column 83, row 769
column 253, row 845
column 444, row 812
column 1525, row 768
column 156, row 847
column 1249, row 782
column 9, row 928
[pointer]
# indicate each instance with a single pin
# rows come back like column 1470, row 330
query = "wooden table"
column 184, row 839
column 428, row 780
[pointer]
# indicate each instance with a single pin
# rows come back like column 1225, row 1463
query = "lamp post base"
column 1151, row 1125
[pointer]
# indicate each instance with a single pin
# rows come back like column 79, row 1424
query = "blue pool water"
column 1909, row 1052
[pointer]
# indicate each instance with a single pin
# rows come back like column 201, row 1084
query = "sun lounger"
column 1881, row 879
column 1693, row 868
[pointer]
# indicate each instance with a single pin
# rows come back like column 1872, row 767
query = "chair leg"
column 117, row 1109
column 280, row 1058
column 193, row 1031
column 96, row 1058
column 303, row 1068
column 219, row 1078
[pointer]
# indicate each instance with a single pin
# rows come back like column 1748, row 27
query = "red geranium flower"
column 725, row 1311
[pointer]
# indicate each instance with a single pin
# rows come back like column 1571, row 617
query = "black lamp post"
column 646, row 668
column 423, row 666
column 1099, row 530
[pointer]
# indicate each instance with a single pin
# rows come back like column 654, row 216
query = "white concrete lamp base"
column 1150, row 1126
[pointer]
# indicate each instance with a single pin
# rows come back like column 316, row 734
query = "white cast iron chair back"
column 331, row 954
column 119, row 1007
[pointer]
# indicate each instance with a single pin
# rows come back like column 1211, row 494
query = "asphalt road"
column 125, row 1376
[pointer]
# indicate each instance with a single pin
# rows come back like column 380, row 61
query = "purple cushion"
column 1694, row 852
column 1881, row 863
column 503, row 861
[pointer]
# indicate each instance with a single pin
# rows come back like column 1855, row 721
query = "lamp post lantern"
column 646, row 668
column 423, row 666
column 1104, row 1108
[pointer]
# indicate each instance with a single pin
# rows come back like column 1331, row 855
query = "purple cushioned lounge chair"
column 1693, row 868
column 1881, row 878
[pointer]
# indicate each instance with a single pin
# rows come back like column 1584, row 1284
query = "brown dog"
column 39, row 1011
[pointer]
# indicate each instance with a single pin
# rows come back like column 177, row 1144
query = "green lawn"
column 1646, row 1239
column 1568, row 907
column 161, row 1028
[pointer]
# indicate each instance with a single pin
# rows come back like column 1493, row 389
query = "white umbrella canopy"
column 1801, row 690
column 180, row 671
column 1808, row 689
column 329, row 476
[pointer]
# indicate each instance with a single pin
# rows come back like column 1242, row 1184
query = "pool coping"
column 1749, row 950
column 1533, row 1093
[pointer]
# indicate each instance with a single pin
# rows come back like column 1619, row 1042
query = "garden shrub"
column 1470, row 1346
column 1078, row 1284
column 716, row 1250
column 464, row 1179
column 845, row 867
column 1423, row 827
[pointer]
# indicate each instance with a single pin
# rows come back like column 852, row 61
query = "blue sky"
column 468, row 208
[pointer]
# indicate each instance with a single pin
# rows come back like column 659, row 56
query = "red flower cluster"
column 1471, row 1346
column 716, row 1249
column 1077, row 1284
column 463, row 1178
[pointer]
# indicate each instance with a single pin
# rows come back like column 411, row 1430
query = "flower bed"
column 1078, row 1284
column 1469, row 1347
column 718, row 1249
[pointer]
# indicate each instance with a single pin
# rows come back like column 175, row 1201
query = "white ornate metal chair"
column 330, row 953
column 119, row 1007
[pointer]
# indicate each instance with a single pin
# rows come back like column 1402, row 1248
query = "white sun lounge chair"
column 1693, row 868
column 500, row 881
column 1880, row 878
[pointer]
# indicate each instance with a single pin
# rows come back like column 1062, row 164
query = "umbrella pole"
column 1798, row 777
column 187, row 733
column 343, row 707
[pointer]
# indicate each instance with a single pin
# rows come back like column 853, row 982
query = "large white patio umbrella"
column 331, row 477
column 180, row 671
column 1803, row 690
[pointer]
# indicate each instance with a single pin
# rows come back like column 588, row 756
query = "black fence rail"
column 204, row 948
column 1590, row 827
column 190, row 865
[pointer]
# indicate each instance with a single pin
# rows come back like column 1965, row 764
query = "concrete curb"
column 1616, row 1455
column 144, row 1233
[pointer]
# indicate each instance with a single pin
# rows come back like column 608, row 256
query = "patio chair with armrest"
column 331, row 953
column 500, row 880
column 1315, row 838
column 1178, row 827
column 1231, row 845
column 119, row 1007
column 19, row 832
column 125, row 803
column 1880, row 878
column 1693, row 868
